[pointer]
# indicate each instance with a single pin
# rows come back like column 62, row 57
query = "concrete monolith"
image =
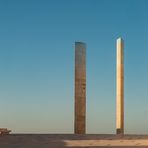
column 120, row 87
column 80, row 88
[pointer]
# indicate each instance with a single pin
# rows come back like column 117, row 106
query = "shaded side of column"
column 80, row 88
column 120, row 87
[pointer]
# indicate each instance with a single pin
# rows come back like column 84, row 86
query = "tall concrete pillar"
column 120, row 87
column 80, row 88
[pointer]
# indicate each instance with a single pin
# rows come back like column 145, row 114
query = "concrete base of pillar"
column 119, row 131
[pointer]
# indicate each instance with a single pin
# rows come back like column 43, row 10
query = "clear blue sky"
column 37, row 63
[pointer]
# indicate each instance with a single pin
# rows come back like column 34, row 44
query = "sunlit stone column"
column 120, row 88
column 80, row 88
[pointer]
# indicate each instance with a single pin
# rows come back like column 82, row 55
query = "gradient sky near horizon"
column 37, row 63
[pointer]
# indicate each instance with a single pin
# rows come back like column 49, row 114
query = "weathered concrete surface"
column 80, row 88
column 73, row 141
column 120, row 88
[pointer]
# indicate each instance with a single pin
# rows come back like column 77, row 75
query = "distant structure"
column 4, row 131
column 80, row 88
column 120, row 87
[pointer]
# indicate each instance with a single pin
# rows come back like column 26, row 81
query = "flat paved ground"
column 72, row 141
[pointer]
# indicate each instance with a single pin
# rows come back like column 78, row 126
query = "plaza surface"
column 73, row 141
